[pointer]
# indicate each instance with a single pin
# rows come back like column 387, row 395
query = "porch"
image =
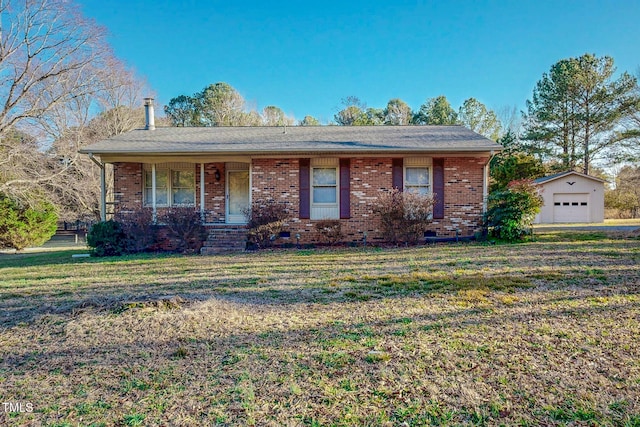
column 220, row 191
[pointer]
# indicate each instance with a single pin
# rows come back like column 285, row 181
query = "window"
column 183, row 188
column 325, row 185
column 174, row 187
column 162, row 186
column 416, row 180
column 324, row 188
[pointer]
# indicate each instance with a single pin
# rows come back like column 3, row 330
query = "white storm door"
column 237, row 196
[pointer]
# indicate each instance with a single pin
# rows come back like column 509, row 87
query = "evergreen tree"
column 576, row 109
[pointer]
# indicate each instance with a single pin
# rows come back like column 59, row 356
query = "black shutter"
column 305, row 182
column 438, row 188
column 396, row 174
column 345, row 190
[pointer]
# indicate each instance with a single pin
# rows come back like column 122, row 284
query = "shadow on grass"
column 246, row 290
column 105, row 285
column 63, row 257
column 332, row 350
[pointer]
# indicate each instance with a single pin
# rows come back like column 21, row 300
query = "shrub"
column 330, row 230
column 404, row 216
column 510, row 212
column 134, row 231
column 265, row 221
column 141, row 234
column 184, row 226
column 107, row 239
column 23, row 225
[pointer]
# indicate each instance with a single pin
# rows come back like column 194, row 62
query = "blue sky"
column 305, row 57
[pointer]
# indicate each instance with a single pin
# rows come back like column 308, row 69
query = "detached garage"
column 571, row 197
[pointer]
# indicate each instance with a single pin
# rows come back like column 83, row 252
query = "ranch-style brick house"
column 321, row 172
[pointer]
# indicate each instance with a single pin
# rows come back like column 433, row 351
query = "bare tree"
column 50, row 57
column 397, row 113
column 60, row 88
column 274, row 116
column 76, row 191
column 45, row 46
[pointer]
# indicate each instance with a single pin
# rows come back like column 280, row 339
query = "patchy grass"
column 541, row 333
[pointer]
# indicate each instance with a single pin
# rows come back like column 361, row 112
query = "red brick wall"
column 127, row 185
column 278, row 179
column 214, row 192
column 463, row 198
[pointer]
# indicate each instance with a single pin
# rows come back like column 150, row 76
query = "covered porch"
column 219, row 190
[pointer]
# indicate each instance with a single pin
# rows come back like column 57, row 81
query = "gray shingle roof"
column 565, row 173
column 297, row 139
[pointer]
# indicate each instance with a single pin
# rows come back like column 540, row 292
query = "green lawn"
column 541, row 333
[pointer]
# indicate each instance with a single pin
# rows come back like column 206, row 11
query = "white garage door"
column 570, row 207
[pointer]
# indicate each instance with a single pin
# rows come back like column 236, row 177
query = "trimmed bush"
column 107, row 238
column 23, row 225
column 134, row 231
column 510, row 212
column 404, row 216
column 265, row 220
column 184, row 227
column 330, row 230
column 141, row 234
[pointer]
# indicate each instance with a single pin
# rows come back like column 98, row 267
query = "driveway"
column 583, row 227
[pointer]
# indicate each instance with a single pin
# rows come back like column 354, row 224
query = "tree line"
column 581, row 113
column 220, row 104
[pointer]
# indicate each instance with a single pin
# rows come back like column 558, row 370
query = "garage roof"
column 559, row 175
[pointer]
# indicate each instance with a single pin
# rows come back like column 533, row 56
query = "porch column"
column 202, row 215
column 103, row 194
column 103, row 188
column 153, row 192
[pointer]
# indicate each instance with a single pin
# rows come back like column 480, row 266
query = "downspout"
column 485, row 183
column 103, row 188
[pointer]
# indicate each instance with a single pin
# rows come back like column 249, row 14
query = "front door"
column 237, row 196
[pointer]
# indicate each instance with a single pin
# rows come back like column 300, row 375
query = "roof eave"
column 475, row 150
column 562, row 175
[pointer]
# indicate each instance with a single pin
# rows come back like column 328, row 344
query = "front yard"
column 545, row 332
